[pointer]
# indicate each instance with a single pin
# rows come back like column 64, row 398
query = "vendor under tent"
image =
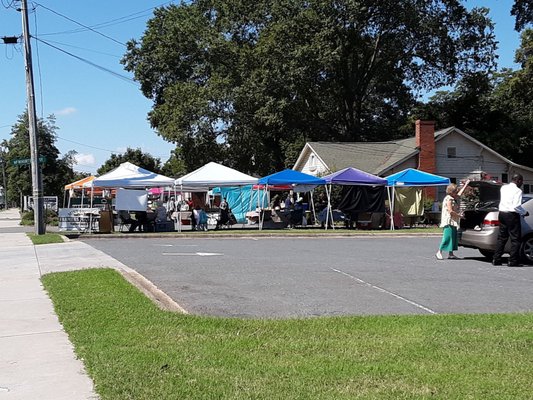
column 76, row 185
column 349, row 177
column 412, row 178
column 299, row 181
column 214, row 175
column 129, row 176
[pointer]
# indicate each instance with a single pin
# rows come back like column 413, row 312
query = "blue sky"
column 98, row 113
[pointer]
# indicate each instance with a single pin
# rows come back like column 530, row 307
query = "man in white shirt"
column 510, row 210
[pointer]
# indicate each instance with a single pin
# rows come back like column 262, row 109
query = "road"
column 303, row 277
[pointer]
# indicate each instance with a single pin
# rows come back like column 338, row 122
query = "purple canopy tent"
column 349, row 177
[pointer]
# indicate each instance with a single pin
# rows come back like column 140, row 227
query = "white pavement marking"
column 176, row 245
column 385, row 291
column 193, row 254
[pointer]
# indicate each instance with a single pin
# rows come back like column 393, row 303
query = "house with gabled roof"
column 447, row 152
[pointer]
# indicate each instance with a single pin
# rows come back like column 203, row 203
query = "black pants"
column 509, row 228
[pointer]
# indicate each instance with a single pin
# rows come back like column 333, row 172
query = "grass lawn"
column 46, row 238
column 133, row 350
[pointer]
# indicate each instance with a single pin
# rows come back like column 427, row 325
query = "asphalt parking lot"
column 261, row 277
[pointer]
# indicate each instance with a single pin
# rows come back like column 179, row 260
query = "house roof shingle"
column 372, row 157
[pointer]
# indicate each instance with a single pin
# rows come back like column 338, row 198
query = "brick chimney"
column 425, row 141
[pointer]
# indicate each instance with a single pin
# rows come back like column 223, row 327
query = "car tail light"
column 491, row 222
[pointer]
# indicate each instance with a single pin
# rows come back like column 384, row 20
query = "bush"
column 50, row 218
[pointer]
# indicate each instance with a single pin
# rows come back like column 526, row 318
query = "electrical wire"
column 116, row 21
column 102, row 149
column 82, row 48
column 79, row 23
column 116, row 74
column 10, row 4
column 41, row 97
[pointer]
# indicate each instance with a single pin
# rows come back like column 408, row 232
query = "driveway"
column 303, row 277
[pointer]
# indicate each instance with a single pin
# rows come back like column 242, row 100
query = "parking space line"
column 385, row 291
column 193, row 254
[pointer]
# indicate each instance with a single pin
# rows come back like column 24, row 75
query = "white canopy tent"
column 214, row 175
column 128, row 175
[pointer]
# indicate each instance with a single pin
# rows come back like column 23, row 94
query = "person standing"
column 510, row 210
column 449, row 220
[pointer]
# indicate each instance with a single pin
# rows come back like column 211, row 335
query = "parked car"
column 480, row 226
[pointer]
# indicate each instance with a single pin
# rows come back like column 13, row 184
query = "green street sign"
column 26, row 161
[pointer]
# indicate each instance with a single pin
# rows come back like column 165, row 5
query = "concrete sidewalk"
column 37, row 360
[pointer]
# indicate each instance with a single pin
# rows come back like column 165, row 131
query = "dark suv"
column 479, row 229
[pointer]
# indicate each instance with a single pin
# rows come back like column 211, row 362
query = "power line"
column 116, row 74
column 116, row 21
column 79, row 23
column 82, row 48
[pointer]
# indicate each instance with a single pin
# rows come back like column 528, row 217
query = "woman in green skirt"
column 449, row 221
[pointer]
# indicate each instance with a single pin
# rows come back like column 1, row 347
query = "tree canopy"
column 56, row 171
column 245, row 82
column 134, row 156
column 496, row 109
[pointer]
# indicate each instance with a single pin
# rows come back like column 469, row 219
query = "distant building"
column 448, row 152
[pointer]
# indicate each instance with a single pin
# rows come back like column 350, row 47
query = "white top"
column 446, row 217
column 511, row 199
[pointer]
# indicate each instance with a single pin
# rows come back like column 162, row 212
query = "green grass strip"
column 47, row 238
column 133, row 350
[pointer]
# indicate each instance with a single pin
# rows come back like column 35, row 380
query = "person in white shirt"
column 510, row 210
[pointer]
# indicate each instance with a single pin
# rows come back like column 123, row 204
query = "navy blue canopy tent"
column 353, row 176
column 350, row 177
column 412, row 177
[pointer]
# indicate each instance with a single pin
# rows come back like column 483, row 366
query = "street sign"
column 26, row 161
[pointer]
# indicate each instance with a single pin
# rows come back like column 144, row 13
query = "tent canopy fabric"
column 291, row 177
column 214, row 175
column 354, row 176
column 79, row 183
column 128, row 175
column 414, row 177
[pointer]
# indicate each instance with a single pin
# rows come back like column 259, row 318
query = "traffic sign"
column 26, row 161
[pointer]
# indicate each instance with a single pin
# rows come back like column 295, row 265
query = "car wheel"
column 526, row 250
column 487, row 253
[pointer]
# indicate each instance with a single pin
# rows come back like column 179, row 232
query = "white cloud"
column 84, row 159
column 66, row 111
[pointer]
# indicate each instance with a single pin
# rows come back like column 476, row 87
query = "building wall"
column 313, row 165
column 471, row 159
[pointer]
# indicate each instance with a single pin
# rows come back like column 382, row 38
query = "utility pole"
column 36, row 178
column 4, row 175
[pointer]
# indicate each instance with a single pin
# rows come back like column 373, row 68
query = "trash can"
column 106, row 221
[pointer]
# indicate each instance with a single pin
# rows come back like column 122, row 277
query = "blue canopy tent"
column 412, row 177
column 350, row 177
column 300, row 181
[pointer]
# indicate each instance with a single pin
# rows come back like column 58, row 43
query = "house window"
column 505, row 178
column 452, row 152
column 527, row 189
column 312, row 163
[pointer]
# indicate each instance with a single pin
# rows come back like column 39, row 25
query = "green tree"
column 56, row 171
column 134, row 156
column 175, row 166
column 496, row 109
column 523, row 12
column 236, row 81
